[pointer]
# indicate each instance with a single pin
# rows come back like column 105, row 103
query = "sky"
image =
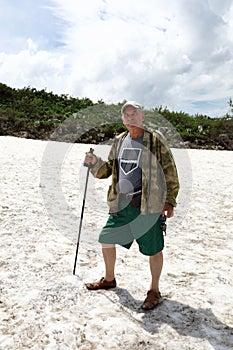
column 172, row 53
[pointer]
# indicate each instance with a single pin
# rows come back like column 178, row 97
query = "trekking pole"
column 83, row 206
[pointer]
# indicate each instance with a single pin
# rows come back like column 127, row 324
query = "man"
column 143, row 190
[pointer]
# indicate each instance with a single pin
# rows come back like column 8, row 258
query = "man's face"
column 132, row 117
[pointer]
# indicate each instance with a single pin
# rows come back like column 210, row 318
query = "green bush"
column 39, row 113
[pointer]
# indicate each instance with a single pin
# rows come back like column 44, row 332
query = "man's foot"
column 152, row 300
column 101, row 284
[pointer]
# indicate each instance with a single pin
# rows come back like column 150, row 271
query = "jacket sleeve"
column 168, row 165
column 103, row 169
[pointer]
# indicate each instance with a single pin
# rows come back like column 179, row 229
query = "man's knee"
column 157, row 255
column 105, row 245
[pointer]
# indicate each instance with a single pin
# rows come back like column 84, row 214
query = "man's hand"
column 90, row 159
column 168, row 210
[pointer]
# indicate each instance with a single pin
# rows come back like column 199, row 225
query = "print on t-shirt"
column 129, row 159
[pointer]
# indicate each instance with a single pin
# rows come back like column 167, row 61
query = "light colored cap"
column 130, row 103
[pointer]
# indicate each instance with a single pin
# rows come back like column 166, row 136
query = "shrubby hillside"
column 39, row 114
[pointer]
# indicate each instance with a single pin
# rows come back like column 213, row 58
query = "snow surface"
column 44, row 306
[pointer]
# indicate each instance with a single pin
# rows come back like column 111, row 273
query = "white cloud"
column 173, row 53
column 32, row 67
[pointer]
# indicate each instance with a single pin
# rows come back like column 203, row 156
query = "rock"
column 23, row 134
column 225, row 141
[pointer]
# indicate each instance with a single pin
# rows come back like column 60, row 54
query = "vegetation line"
column 38, row 114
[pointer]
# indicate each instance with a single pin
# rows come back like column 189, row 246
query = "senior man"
column 142, row 194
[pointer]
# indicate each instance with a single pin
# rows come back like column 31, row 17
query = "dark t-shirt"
column 130, row 165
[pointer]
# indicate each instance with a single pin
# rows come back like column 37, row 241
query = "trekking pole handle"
column 87, row 164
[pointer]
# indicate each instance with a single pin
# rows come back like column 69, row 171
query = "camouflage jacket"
column 159, row 174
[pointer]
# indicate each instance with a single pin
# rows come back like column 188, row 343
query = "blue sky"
column 174, row 53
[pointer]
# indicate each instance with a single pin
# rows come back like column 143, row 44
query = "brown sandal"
column 101, row 284
column 152, row 300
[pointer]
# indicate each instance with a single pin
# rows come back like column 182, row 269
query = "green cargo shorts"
column 130, row 225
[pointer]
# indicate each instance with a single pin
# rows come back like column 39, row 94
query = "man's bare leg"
column 109, row 255
column 107, row 282
column 156, row 265
column 153, row 295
